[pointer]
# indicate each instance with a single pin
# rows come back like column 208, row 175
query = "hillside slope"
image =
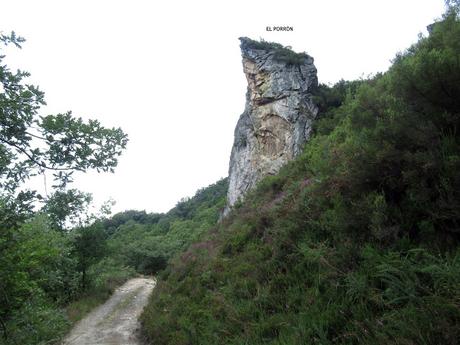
column 354, row 242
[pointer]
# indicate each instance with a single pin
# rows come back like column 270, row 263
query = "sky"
column 169, row 73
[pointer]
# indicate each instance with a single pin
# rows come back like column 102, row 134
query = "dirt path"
column 115, row 322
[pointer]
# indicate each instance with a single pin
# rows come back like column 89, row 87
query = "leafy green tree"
column 31, row 144
column 89, row 247
column 66, row 205
column 35, row 259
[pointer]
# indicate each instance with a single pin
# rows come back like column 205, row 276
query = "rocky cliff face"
column 278, row 115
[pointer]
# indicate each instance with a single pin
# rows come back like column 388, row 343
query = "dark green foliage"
column 37, row 273
column 329, row 99
column 281, row 53
column 203, row 198
column 36, row 321
column 146, row 242
column 89, row 246
column 354, row 242
column 111, row 224
column 102, row 280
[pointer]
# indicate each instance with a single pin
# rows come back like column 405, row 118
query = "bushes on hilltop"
column 280, row 52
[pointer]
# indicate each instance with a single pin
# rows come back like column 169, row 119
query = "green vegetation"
column 354, row 242
column 57, row 262
column 44, row 263
column 146, row 242
column 281, row 53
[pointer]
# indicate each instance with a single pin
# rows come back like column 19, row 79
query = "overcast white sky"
column 169, row 73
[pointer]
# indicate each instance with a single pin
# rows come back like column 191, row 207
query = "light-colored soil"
column 116, row 321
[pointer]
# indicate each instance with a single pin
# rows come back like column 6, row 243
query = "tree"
column 31, row 144
column 452, row 4
column 66, row 205
column 89, row 247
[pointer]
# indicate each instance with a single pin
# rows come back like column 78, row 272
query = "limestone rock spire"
column 278, row 114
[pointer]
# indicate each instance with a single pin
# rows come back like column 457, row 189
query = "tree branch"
column 5, row 333
column 36, row 136
column 32, row 159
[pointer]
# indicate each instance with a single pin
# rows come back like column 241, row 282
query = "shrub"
column 280, row 53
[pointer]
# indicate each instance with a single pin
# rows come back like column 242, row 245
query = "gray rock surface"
column 277, row 118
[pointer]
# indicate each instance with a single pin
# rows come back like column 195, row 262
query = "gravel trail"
column 116, row 321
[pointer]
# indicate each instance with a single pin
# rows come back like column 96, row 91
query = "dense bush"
column 37, row 275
